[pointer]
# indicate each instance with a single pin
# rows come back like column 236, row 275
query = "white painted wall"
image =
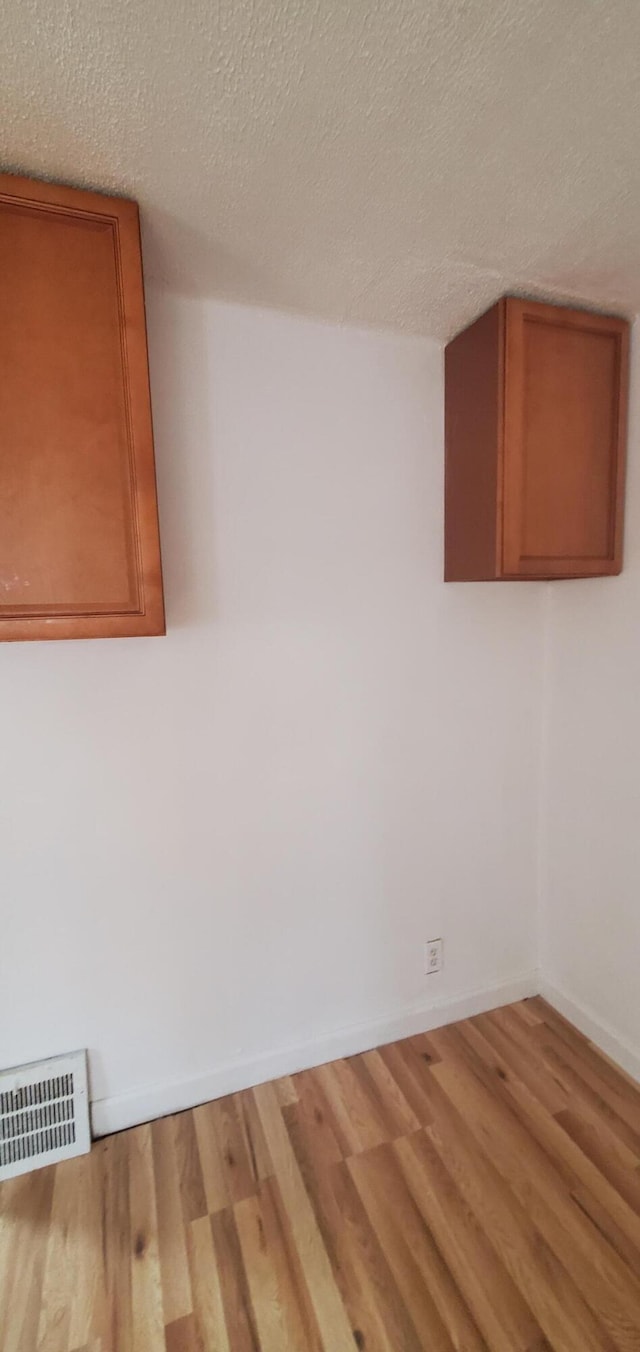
column 230, row 843
column 591, row 922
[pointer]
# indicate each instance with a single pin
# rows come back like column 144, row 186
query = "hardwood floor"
column 476, row 1189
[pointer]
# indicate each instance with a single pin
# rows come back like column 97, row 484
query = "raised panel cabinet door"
column 565, row 384
column 79, row 542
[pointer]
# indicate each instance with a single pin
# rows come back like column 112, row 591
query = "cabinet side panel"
column 473, row 382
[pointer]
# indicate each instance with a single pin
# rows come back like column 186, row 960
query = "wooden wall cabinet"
column 535, row 431
column 79, row 544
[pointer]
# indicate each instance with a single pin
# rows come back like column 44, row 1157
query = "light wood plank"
column 211, row 1325
column 192, row 1192
column 172, row 1246
column 597, row 1271
column 279, row 1310
column 408, row 1075
column 87, row 1309
column 311, row 1130
column 58, row 1290
column 116, row 1324
column 250, row 1128
column 423, row 1278
column 512, row 1043
column 234, row 1288
column 371, row 1298
column 404, row 1118
column 581, row 1178
column 358, row 1125
column 287, row 1090
column 236, row 1161
column 146, row 1288
column 214, row 1175
column 495, row 1302
column 26, row 1221
column 535, row 1269
column 329, row 1310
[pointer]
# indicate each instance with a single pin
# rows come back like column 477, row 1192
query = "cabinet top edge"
column 35, row 191
column 567, row 314
column 514, row 306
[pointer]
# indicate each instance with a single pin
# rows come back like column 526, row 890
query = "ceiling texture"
column 389, row 162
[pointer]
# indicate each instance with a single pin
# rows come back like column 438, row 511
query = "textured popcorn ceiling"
column 397, row 162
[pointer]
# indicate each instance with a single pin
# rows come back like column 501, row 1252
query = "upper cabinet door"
column 535, row 431
column 79, row 544
column 565, row 388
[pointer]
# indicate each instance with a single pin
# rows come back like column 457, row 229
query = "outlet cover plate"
column 433, row 956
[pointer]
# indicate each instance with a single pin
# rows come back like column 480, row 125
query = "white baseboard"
column 142, row 1105
column 597, row 1032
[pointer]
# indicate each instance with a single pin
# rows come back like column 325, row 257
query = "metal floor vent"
column 44, row 1113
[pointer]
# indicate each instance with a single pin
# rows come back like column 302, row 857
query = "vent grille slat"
column 44, row 1114
column 23, row 1123
column 38, row 1143
column 44, row 1091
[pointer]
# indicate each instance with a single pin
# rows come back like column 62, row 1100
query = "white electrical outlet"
column 433, row 956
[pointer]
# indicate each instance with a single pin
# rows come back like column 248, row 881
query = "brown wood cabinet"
column 79, row 544
column 535, row 431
